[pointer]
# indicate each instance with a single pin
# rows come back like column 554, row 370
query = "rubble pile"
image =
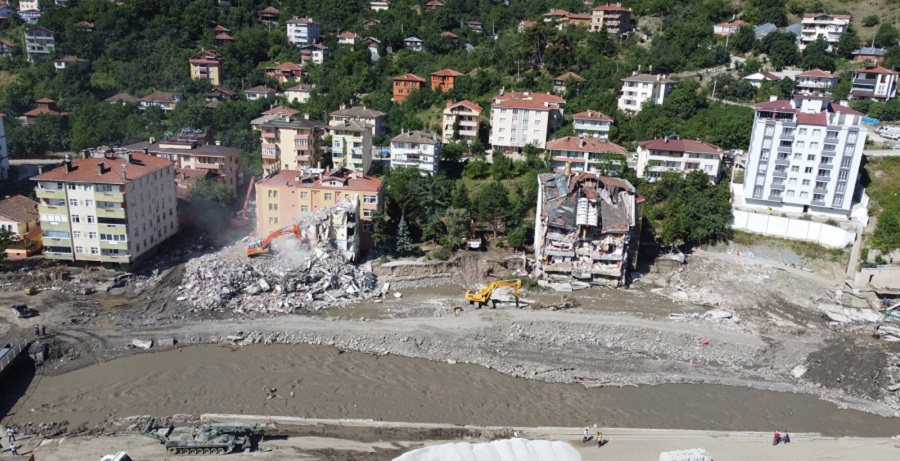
column 311, row 274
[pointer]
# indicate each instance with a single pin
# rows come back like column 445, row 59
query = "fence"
column 792, row 228
column 11, row 355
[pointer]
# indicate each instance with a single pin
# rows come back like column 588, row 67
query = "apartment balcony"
column 270, row 135
column 779, row 174
column 303, row 158
column 601, row 256
column 111, row 213
column 266, row 156
column 109, row 245
column 58, row 255
column 782, row 161
column 207, row 166
column 119, row 258
column 775, row 198
column 119, row 229
column 53, row 209
column 818, row 203
column 50, row 193
column 115, row 197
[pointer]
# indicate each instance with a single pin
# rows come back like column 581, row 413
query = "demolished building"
column 587, row 228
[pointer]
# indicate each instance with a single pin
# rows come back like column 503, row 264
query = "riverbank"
column 324, row 382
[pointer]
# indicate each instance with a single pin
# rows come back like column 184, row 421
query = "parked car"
column 23, row 311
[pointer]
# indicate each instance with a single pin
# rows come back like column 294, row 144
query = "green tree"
column 457, row 224
column 460, row 197
column 871, row 20
column 847, row 44
column 7, row 238
column 381, row 232
column 743, row 40
column 452, row 152
column 502, row 166
column 515, row 238
column 816, row 56
column 403, row 242
column 212, row 192
column 887, row 35
column 775, row 15
column 492, row 204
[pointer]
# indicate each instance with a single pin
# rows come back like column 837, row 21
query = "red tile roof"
column 43, row 110
column 781, row 105
column 449, row 34
column 818, row 118
column 526, row 100
column 874, row 70
column 8, row 43
column 592, row 115
column 207, row 55
column 816, row 73
column 301, row 21
column 86, row 170
column 611, row 7
column 45, row 101
column 348, row 34
column 19, row 209
column 224, row 36
column 465, row 103
column 352, row 181
column 446, row 73
column 844, row 109
column 836, row 16
column 289, row 66
column 410, row 78
column 733, row 23
column 281, row 110
column 681, row 145
column 260, row 89
column 575, row 144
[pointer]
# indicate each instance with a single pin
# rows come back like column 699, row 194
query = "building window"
column 79, row 250
column 95, row 250
column 73, row 202
column 792, row 181
column 838, row 200
column 328, row 196
column 785, row 144
column 72, row 186
column 824, row 173
column 787, row 132
column 273, row 220
column 817, row 132
column 113, row 238
column 804, row 194
column 88, row 187
column 89, row 203
column 370, row 199
column 814, row 146
column 790, row 193
column 811, row 158
column 92, row 235
column 76, row 218
column 808, row 169
column 821, row 184
column 764, row 154
column 91, row 219
column 841, row 188
column 818, row 197
column 795, row 169
column 757, row 191
column 104, row 188
column 800, row 144
column 304, row 195
column 775, row 192
column 802, row 131
column 273, row 207
column 367, row 213
column 304, row 208
column 843, row 175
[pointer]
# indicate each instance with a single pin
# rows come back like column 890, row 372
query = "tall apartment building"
column 417, row 149
column 639, row 88
column 302, row 31
column 351, row 145
column 192, row 150
column 208, row 65
column 804, row 156
column 283, row 198
column 829, row 26
column 461, row 121
column 682, row 156
column 110, row 208
column 290, row 141
column 40, row 43
column 612, row 17
column 874, row 82
column 520, row 119
column 374, row 119
column 592, row 123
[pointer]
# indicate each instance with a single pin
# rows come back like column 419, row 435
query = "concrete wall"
column 791, row 228
column 879, row 277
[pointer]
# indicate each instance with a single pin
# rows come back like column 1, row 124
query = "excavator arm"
column 482, row 296
column 263, row 248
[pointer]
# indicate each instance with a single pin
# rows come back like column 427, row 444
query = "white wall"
column 792, row 228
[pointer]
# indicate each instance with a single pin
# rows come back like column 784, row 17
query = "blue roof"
column 795, row 29
column 870, row 51
column 412, row 39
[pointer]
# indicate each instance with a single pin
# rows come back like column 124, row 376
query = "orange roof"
column 351, row 181
column 465, row 103
column 410, row 77
column 87, row 170
column 557, row 12
column 527, row 100
column 569, row 75
column 446, row 73
column 43, row 111
column 577, row 144
column 449, row 34
column 207, row 55
column 19, row 209
column 224, row 36
column 8, row 43
column 348, row 34
column 592, row 115
column 221, row 29
column 270, row 10
column 611, row 7
column 281, row 110
column 733, row 23
column 291, row 66
column 45, row 101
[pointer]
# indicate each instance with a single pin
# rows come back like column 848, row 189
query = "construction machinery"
column 262, row 248
column 889, row 331
column 209, row 439
column 475, row 242
column 241, row 220
column 483, row 296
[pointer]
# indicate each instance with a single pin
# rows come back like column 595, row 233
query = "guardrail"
column 12, row 355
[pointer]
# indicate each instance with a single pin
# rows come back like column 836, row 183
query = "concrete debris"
column 312, row 274
column 799, row 371
column 143, row 344
column 166, row 342
column 717, row 314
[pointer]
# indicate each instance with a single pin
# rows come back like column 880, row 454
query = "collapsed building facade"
column 587, row 228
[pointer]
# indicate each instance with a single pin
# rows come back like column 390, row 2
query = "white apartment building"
column 682, row 156
column 592, row 124
column 815, row 81
column 520, row 119
column 417, row 149
column 829, row 26
column 298, row 93
column 40, row 43
column 374, row 119
column 302, row 31
column 112, row 208
column 316, row 53
column 351, row 145
column 464, row 113
column 591, row 155
column 25, row 5
column 804, row 156
column 874, row 82
column 639, row 88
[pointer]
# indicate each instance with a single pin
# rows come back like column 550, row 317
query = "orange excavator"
column 241, row 220
column 262, row 248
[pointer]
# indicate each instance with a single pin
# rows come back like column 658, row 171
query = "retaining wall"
column 792, row 228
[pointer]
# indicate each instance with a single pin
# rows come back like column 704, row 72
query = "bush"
column 441, row 254
column 871, row 20
column 831, row 222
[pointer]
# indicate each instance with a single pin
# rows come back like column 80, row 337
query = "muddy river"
column 329, row 384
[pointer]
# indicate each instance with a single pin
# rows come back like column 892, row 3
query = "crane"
column 242, row 219
column 262, row 248
column 483, row 295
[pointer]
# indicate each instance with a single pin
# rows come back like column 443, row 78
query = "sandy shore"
column 625, row 444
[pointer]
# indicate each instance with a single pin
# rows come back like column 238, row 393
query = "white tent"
column 499, row 450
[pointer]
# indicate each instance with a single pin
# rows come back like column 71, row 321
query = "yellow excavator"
column 482, row 296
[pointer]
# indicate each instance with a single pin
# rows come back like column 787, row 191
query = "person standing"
column 37, row 331
column 13, row 450
column 584, row 438
column 599, row 439
column 10, row 435
column 777, row 439
column 786, row 438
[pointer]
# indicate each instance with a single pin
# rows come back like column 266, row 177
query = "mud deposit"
column 327, row 383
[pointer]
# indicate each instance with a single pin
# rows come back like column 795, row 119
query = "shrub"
column 441, row 254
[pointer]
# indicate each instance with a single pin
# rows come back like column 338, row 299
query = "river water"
column 329, row 384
